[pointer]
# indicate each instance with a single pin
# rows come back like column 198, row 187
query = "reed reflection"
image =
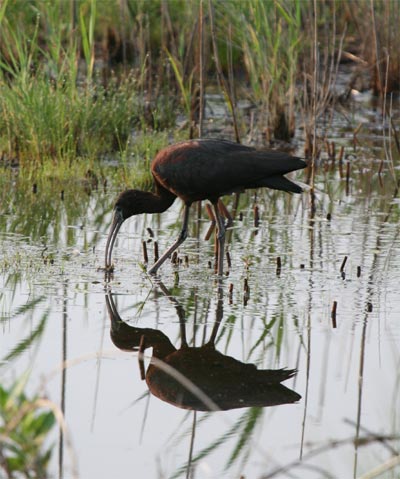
column 198, row 378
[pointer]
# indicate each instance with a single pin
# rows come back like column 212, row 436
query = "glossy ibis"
column 203, row 170
column 199, row 378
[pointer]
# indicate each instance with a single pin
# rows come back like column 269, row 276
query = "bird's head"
column 129, row 203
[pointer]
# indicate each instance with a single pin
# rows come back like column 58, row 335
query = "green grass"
column 25, row 426
column 53, row 108
column 270, row 37
column 45, row 120
column 81, row 81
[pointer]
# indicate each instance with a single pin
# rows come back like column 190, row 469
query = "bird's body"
column 199, row 378
column 226, row 382
column 204, row 170
column 190, row 169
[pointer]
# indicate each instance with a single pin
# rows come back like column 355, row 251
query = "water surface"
column 55, row 323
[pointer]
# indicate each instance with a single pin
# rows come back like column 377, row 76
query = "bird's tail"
column 279, row 182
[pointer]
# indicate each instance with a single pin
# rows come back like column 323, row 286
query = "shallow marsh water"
column 53, row 312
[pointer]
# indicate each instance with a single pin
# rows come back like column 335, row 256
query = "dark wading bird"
column 198, row 170
column 199, row 378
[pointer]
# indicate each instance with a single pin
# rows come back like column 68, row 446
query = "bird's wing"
column 210, row 169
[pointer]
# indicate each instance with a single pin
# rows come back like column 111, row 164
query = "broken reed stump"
column 278, row 266
column 341, row 168
column 256, row 216
column 343, row 264
column 355, row 133
column 246, row 293
column 341, row 153
column 333, row 314
column 228, row 259
column 230, row 295
column 331, row 150
column 348, row 178
column 342, row 272
column 380, row 174
column 156, row 255
column 332, row 157
column 145, row 255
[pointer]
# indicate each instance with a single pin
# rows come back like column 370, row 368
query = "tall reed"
column 77, row 79
column 269, row 36
column 52, row 109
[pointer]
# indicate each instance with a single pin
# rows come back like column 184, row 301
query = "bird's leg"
column 219, row 313
column 181, row 238
column 224, row 211
column 142, row 347
column 220, row 238
column 179, row 309
column 212, row 225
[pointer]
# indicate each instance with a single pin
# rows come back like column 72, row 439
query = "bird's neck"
column 161, row 349
column 159, row 201
column 128, row 338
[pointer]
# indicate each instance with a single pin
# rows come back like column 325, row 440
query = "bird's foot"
column 152, row 270
column 228, row 223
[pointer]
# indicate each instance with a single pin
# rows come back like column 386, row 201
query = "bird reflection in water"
column 199, row 378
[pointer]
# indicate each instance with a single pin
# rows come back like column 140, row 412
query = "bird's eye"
column 118, row 210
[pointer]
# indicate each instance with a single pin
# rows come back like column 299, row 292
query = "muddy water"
column 56, row 324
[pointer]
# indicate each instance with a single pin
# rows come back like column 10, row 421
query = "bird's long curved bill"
column 112, row 236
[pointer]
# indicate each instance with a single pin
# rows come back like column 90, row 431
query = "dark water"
column 54, row 313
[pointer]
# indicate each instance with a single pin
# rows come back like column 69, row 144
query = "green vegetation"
column 270, row 35
column 81, row 80
column 26, row 421
column 25, row 424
